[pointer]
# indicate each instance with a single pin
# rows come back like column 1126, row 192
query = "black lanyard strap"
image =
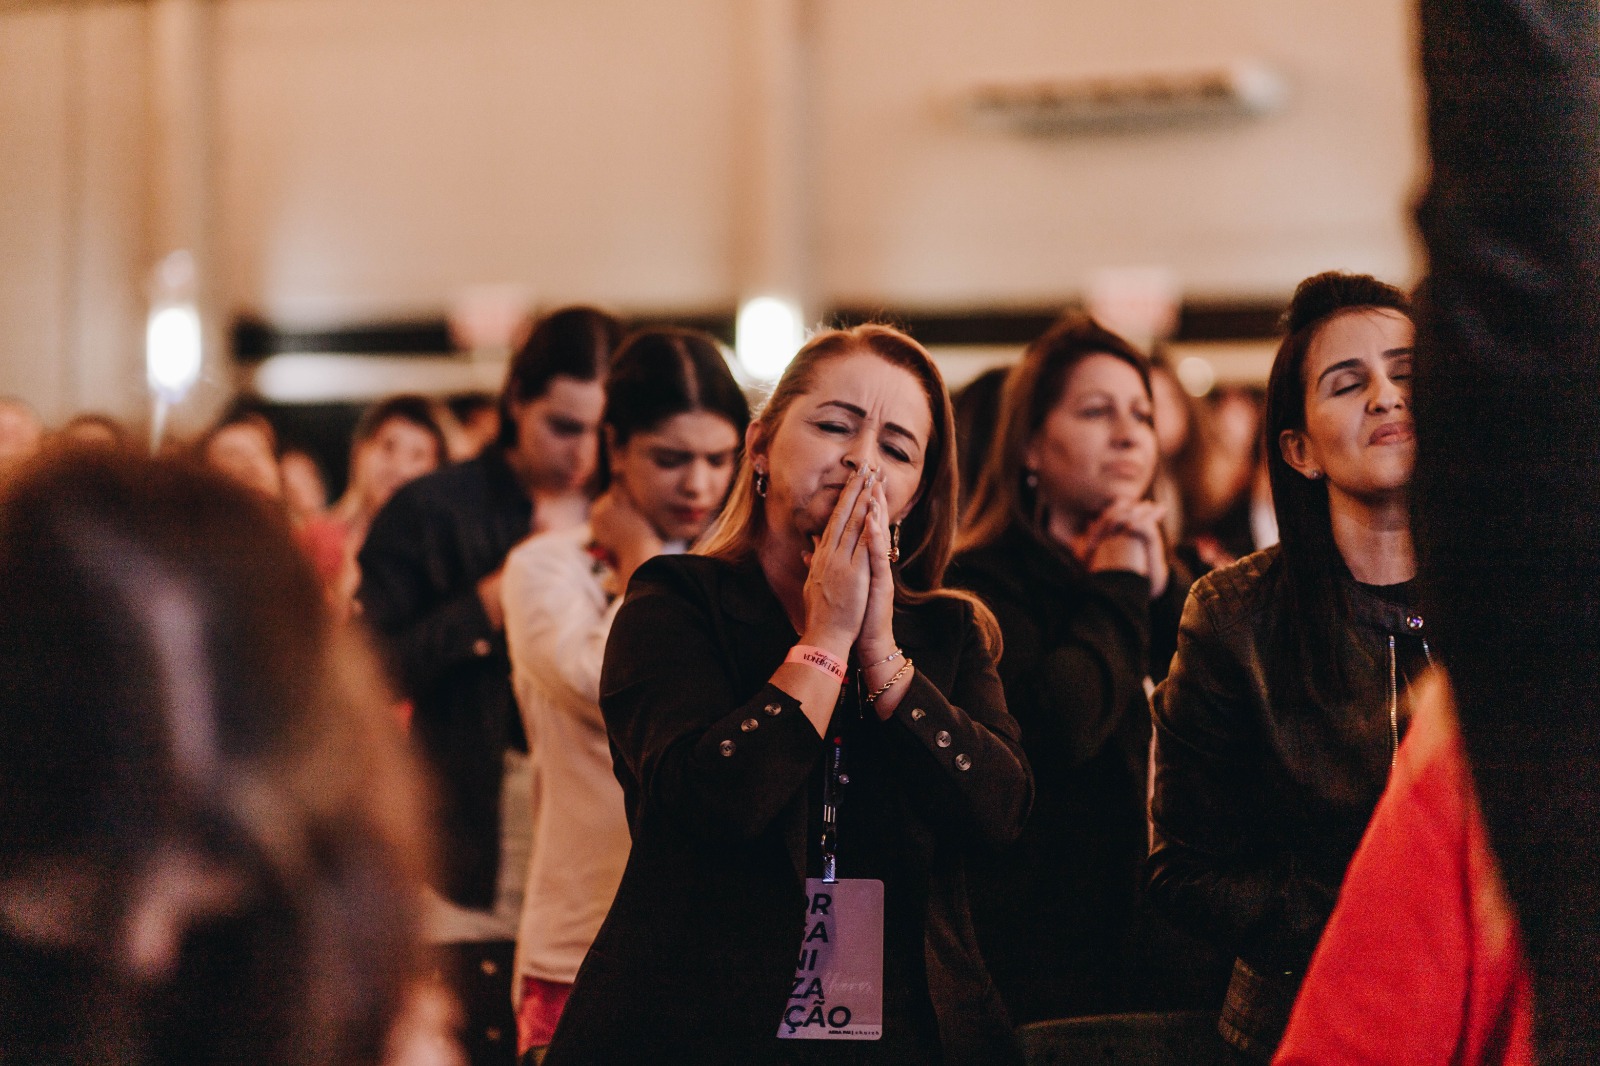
column 832, row 793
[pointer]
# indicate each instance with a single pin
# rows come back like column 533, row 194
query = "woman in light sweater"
column 673, row 424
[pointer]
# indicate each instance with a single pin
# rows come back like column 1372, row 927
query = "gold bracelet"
column 891, row 657
column 872, row 697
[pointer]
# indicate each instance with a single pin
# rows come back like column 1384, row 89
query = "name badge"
column 838, row 982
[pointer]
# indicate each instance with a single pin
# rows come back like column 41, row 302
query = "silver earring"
column 1313, row 474
column 761, row 483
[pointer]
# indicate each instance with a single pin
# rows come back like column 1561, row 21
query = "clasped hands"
column 1126, row 536
column 849, row 592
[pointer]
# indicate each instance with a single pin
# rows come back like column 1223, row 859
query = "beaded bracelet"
column 872, row 697
column 810, row 655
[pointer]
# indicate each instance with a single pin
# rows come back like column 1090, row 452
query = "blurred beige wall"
column 74, row 207
column 373, row 158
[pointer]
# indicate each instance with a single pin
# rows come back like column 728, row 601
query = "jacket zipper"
column 1394, row 700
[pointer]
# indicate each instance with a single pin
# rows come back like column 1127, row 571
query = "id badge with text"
column 838, row 982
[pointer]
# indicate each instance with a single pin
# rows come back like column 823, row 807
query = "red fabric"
column 542, row 1003
column 1422, row 961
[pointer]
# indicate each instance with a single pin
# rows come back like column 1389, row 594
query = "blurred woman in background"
column 21, row 433
column 397, row 440
column 1277, row 727
column 243, row 446
column 92, row 429
column 1064, row 544
column 673, row 425
column 305, row 493
column 432, row 567
column 207, row 826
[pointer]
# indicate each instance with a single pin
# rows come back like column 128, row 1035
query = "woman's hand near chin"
column 876, row 649
column 835, row 596
column 1127, row 536
column 877, row 620
column 624, row 532
column 837, row 585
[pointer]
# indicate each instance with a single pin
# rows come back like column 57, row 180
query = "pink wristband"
column 811, row 655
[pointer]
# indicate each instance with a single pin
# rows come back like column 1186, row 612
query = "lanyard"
column 832, row 792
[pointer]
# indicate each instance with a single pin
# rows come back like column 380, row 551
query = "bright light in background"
column 1196, row 375
column 172, row 350
column 767, row 335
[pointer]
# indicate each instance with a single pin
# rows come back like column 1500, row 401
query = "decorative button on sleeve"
column 942, row 738
column 963, row 761
column 749, row 725
column 772, row 709
column 727, row 747
column 918, row 714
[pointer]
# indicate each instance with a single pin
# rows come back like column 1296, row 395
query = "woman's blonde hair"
column 927, row 534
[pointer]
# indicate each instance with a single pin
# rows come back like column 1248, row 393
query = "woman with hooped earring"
column 1278, row 724
column 1065, row 545
column 810, row 737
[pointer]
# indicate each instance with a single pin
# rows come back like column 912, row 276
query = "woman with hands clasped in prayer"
column 809, row 732
column 1064, row 544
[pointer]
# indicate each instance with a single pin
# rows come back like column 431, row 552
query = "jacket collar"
column 1377, row 612
column 1042, row 559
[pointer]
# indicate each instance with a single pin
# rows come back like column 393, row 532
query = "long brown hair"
column 1003, row 498
column 927, row 534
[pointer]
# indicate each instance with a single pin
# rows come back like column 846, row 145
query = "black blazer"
column 1054, row 912
column 718, row 769
column 420, row 567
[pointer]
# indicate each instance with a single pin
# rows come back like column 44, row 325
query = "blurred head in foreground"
column 205, row 818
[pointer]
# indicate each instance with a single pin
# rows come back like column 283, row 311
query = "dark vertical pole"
column 1508, row 480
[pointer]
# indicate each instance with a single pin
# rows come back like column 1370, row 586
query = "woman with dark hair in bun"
column 1276, row 729
column 673, row 424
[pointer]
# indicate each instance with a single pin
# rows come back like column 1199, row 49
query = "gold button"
column 963, row 762
column 726, row 747
column 942, row 738
column 772, row 708
column 749, row 725
column 488, row 967
column 918, row 714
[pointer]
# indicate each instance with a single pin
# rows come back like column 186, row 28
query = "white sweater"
column 559, row 605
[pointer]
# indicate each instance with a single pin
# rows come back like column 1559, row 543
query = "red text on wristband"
column 811, row 655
